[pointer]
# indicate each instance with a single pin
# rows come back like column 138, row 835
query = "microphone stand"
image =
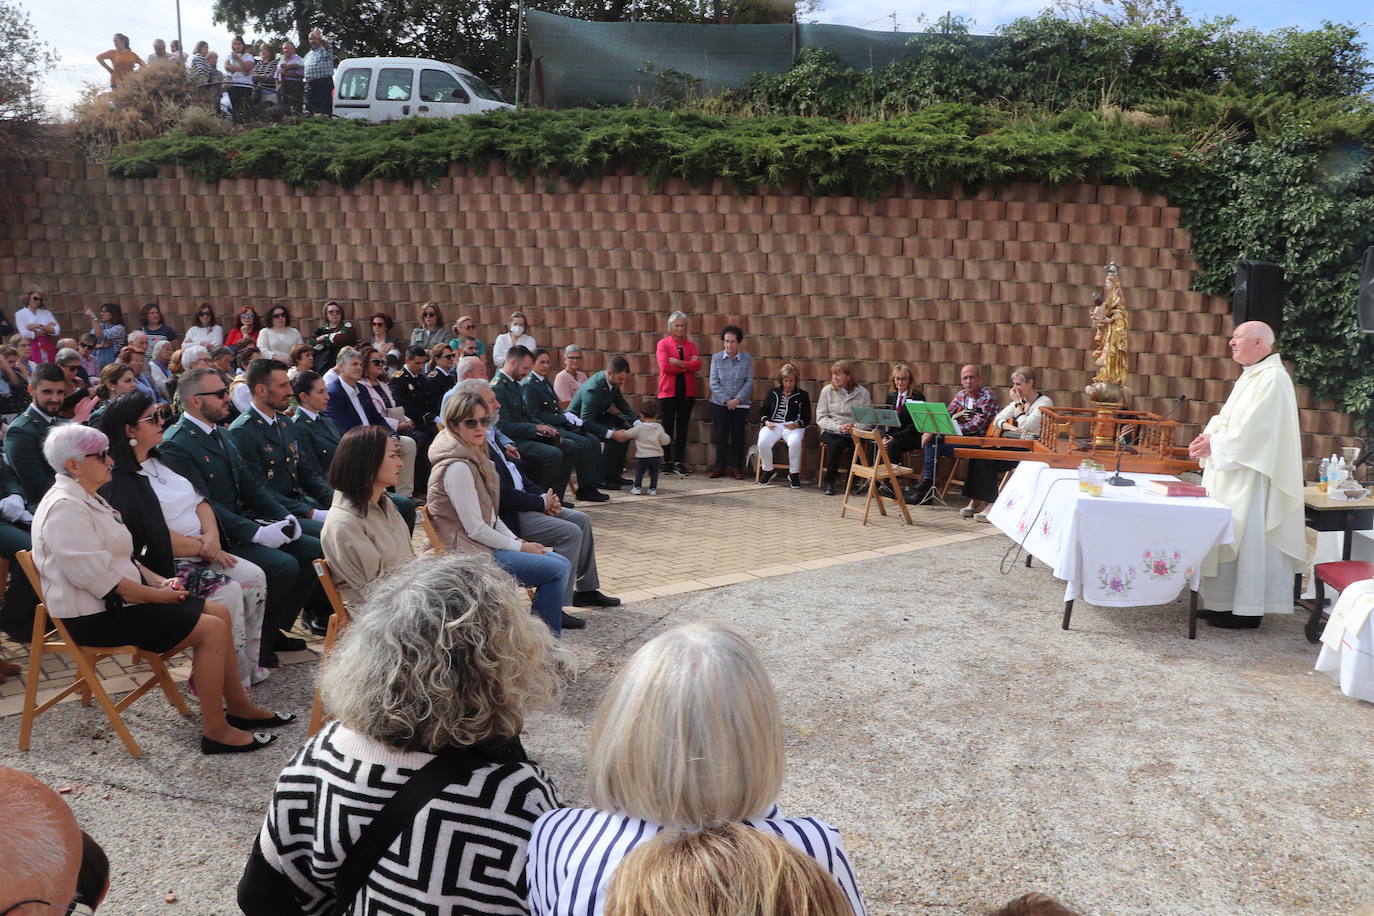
column 1116, row 479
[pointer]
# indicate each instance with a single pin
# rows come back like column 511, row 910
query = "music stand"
column 933, row 417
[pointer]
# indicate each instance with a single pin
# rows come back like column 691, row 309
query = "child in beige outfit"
column 649, row 439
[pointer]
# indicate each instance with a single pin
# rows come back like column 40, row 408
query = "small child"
column 649, row 439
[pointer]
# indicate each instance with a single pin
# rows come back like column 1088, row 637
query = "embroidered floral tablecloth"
column 1125, row 548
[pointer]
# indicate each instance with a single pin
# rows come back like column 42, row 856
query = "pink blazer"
column 667, row 372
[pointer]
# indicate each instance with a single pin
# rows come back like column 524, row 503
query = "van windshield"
column 481, row 89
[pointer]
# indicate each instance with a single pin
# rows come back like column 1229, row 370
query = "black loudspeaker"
column 1366, row 300
column 1259, row 294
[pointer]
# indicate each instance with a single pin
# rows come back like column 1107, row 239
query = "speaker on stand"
column 1258, row 294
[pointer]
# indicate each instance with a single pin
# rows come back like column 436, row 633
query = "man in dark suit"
column 607, row 415
column 549, row 456
column 320, row 437
column 539, row 516
column 252, row 522
column 542, row 403
column 25, row 435
column 271, row 446
column 350, row 406
column 408, row 388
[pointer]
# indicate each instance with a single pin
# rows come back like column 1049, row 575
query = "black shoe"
column 284, row 643
column 591, row 496
column 767, row 476
column 919, row 493
column 859, row 489
column 794, row 481
column 594, row 598
column 610, row 485
column 1225, row 620
column 828, row 488
column 316, row 623
column 885, row 490
column 248, row 725
column 572, row 623
column 625, row 481
column 680, row 470
column 260, row 741
column 268, row 659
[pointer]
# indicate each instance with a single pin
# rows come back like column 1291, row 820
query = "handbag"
column 264, row 890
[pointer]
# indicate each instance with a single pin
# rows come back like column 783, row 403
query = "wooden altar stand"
column 1067, row 435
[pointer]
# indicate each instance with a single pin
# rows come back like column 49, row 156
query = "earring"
column 133, row 443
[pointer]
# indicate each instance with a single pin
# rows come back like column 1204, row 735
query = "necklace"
column 152, row 465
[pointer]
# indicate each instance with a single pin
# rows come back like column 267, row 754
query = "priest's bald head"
column 1251, row 342
column 41, row 855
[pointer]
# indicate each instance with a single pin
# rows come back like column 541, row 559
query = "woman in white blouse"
column 465, row 501
column 1020, row 419
column 276, row 340
column 38, row 326
column 204, row 330
column 90, row 581
column 688, row 734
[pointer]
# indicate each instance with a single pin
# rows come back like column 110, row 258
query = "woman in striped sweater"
column 689, row 734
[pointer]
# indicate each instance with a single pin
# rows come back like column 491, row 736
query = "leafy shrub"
column 148, row 103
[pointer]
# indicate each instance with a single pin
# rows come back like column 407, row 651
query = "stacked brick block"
column 1001, row 277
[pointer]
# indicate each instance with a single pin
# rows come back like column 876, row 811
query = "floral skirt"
column 243, row 590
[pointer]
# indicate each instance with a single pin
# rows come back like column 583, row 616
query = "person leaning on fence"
column 786, row 414
column 318, row 71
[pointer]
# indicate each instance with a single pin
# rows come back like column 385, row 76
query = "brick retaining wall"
column 1002, row 277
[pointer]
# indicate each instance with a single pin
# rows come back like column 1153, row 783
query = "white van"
column 378, row 89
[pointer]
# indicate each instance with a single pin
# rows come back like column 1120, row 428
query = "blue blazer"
column 513, row 501
column 341, row 411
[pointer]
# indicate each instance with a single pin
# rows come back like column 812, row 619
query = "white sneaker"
column 653, row 492
column 635, row 491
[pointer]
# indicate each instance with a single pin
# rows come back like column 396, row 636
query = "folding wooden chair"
column 431, row 533
column 87, row 683
column 879, row 470
column 338, row 622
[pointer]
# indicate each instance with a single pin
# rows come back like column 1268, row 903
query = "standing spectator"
column 732, row 379
column 291, row 77
column 678, row 365
column 160, row 52
column 431, row 330
column 381, row 339
column 835, row 417
column 108, row 328
column 786, row 414
column 276, row 340
column 239, row 67
column 119, row 61
column 246, row 330
column 153, row 325
column 204, row 70
column 364, row 536
column 302, row 360
column 517, row 334
column 174, row 50
column 331, row 337
column 265, row 72
column 38, row 326
column 571, row 376
column 319, row 74
column 204, row 329
column 465, row 326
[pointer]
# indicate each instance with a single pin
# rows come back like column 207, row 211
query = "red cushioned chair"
column 1340, row 576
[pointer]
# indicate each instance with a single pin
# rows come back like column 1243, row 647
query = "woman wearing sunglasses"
column 246, row 331
column 204, row 330
column 276, row 340
column 38, row 326
column 465, row 502
column 84, row 557
column 432, row 330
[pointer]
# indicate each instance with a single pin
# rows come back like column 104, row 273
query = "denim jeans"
column 547, row 574
column 933, row 453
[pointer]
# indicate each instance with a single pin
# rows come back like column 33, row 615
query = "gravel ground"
column 968, row 749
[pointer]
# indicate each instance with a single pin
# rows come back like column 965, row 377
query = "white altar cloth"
column 1347, row 654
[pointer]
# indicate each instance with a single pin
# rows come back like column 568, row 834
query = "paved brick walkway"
column 695, row 534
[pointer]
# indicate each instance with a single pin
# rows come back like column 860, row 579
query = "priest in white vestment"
column 1251, row 456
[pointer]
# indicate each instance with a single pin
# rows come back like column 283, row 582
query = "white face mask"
column 517, row 329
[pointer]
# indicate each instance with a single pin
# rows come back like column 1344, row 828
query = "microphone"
column 1116, row 479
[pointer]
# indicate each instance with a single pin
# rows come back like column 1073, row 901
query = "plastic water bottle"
column 1323, row 470
column 1085, row 476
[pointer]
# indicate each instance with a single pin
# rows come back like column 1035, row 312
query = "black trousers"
column 728, row 429
column 16, row 617
column 982, row 478
column 838, row 448
column 677, row 416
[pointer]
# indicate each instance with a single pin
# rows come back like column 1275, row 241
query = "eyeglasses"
column 474, row 422
column 573, row 356
column 213, row 394
column 379, row 324
column 151, row 418
column 37, row 299
column 428, row 315
column 85, row 346
column 278, row 315
column 446, row 356
column 376, row 362
column 102, row 455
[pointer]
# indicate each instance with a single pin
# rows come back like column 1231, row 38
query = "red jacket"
column 667, row 372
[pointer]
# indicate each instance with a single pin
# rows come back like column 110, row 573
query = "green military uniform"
column 288, row 470
column 320, row 437
column 592, row 403
column 24, row 451
column 550, row 462
column 213, row 465
column 541, row 402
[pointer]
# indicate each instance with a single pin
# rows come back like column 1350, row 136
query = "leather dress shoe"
column 621, row 482
column 1225, row 620
column 716, row 473
column 610, row 485
column 594, row 598
column 284, row 643
column 767, row 476
column 572, row 623
column 591, row 496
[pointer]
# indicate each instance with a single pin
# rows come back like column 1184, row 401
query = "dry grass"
column 147, row 104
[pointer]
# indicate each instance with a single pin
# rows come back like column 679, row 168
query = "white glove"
column 572, row 418
column 319, row 515
column 298, row 532
column 12, row 507
column 26, row 516
column 272, row 536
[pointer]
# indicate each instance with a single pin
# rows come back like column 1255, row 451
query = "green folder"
column 932, row 417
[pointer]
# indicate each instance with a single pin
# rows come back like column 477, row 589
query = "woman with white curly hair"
column 420, row 787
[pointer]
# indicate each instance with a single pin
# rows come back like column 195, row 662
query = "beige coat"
column 362, row 548
column 81, row 548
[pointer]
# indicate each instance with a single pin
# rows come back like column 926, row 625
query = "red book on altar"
column 1175, row 488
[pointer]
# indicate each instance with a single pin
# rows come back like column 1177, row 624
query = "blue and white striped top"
column 574, row 851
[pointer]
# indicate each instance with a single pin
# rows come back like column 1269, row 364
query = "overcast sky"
column 81, row 29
